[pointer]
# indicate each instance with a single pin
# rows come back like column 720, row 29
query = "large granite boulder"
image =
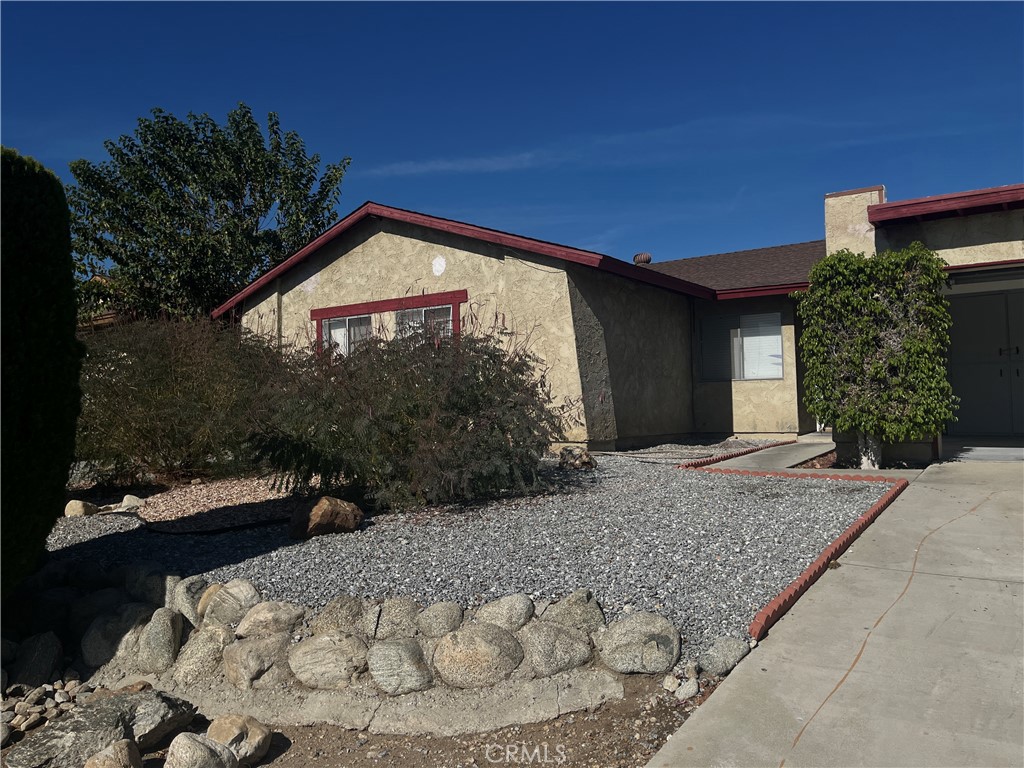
column 193, row 750
column 477, row 655
column 644, row 642
column 269, row 618
column 439, row 619
column 201, row 656
column 724, row 654
column 258, row 662
column 510, row 612
column 245, row 736
column 160, row 641
column 580, row 610
column 329, row 515
column 37, row 661
column 551, row 648
column 230, row 603
column 115, row 634
column 341, row 614
column 398, row 666
column 328, row 660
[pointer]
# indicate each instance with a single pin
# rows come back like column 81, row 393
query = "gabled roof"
column 494, row 236
column 1007, row 198
column 772, row 271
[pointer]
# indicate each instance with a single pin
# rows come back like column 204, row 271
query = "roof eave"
column 945, row 206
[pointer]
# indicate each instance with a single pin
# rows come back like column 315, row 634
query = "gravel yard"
column 706, row 550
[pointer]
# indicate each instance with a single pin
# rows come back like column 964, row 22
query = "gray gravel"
column 706, row 550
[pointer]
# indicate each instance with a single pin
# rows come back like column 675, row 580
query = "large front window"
column 741, row 347
column 435, row 320
column 345, row 334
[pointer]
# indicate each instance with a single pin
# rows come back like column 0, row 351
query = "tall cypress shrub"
column 41, row 359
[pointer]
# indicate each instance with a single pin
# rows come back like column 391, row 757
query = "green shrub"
column 415, row 420
column 41, row 359
column 174, row 399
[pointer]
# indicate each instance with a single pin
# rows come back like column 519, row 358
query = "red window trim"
column 454, row 299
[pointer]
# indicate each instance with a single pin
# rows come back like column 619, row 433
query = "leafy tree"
column 874, row 340
column 41, row 360
column 189, row 212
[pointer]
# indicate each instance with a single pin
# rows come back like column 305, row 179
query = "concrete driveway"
column 909, row 654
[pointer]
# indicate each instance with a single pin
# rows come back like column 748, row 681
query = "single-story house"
column 653, row 352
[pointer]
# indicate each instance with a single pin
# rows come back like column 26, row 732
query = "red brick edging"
column 781, row 603
column 697, row 463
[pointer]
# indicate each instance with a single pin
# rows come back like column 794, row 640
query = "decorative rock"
column 670, row 683
column 398, row 666
column 643, row 642
column 579, row 610
column 440, row 619
column 130, row 502
column 36, row 718
column 5, row 733
column 258, row 662
column 37, row 660
column 724, row 654
column 186, row 598
column 328, row 660
column 369, row 621
column 160, row 641
column 87, row 608
column 269, row 618
column 245, row 736
column 147, row 717
column 200, row 657
column 329, row 515
column 113, row 634
column 206, row 598
column 688, row 689
column 135, row 575
column 120, row 754
column 510, row 612
column 230, row 603
column 341, row 614
column 190, row 750
column 477, row 655
column 551, row 648
column 575, row 458
column 77, row 508
column 397, row 618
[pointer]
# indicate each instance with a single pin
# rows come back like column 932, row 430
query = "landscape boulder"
column 510, row 612
column 328, row 515
column 571, row 457
column 193, row 750
column 644, row 642
column 120, row 754
column 245, row 736
column 85, row 610
column 327, row 661
column 341, row 614
column 398, row 666
column 269, row 618
column 75, row 508
column 37, row 660
column 187, row 594
column 551, row 648
column 580, row 610
column 397, row 618
column 144, row 717
column 476, row 655
column 724, row 654
column 258, row 662
column 160, row 641
column 439, row 619
column 114, row 634
column 230, row 603
column 200, row 658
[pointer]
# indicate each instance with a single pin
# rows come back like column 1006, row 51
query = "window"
column 740, row 347
column 437, row 320
column 345, row 334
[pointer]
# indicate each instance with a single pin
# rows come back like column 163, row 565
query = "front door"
column 986, row 357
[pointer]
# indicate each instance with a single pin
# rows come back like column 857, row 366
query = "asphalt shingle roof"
column 777, row 265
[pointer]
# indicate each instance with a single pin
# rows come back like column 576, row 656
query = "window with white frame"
column 345, row 334
column 741, row 347
column 436, row 320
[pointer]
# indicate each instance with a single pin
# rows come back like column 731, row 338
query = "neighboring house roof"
column 494, row 236
column 1005, row 198
column 770, row 271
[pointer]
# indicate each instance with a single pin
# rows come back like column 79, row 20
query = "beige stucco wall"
column 633, row 344
column 382, row 259
column 764, row 406
column 962, row 240
column 846, row 220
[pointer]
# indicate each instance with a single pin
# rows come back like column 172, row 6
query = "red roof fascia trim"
column 984, row 265
column 947, row 205
column 391, row 305
column 562, row 252
column 766, row 290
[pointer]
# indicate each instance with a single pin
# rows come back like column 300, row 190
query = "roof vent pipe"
column 642, row 258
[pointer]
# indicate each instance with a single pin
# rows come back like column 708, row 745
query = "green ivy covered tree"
column 874, row 342
column 187, row 212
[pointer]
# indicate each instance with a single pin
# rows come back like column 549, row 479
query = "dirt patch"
column 620, row 734
column 827, row 461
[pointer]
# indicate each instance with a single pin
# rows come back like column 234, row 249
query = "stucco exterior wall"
column 633, row 346
column 846, row 220
column 382, row 259
column 972, row 239
column 762, row 406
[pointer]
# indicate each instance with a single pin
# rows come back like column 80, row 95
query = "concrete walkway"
column 806, row 447
column 909, row 654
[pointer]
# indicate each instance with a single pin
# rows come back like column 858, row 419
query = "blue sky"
column 676, row 128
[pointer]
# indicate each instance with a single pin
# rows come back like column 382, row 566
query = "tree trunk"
column 870, row 449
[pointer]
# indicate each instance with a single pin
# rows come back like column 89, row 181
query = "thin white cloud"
column 486, row 164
